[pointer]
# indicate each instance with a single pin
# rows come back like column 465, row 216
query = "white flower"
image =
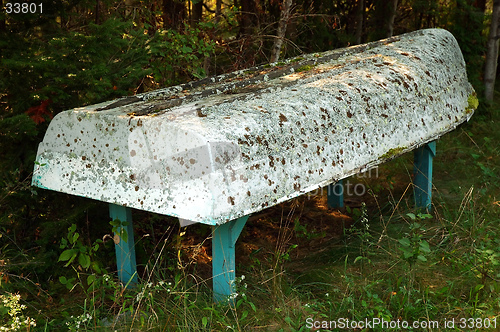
column 139, row 296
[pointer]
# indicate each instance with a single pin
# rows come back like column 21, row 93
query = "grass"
column 303, row 264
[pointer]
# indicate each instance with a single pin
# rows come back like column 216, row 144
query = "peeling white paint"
column 224, row 147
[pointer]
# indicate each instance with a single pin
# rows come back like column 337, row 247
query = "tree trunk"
column 218, row 10
column 383, row 18
column 480, row 4
column 196, row 12
column 97, row 12
column 3, row 21
column 280, row 34
column 360, row 16
column 490, row 68
column 174, row 13
column 392, row 9
column 129, row 5
column 247, row 17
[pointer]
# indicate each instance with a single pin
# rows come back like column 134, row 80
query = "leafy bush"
column 179, row 56
column 11, row 316
column 72, row 68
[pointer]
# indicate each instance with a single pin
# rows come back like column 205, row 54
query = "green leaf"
column 407, row 254
column 115, row 223
column 186, row 49
column 124, row 234
column 253, row 306
column 84, row 260
column 478, row 288
column 64, row 243
column 405, row 242
column 69, row 284
column 63, row 280
column 67, row 254
column 415, row 225
column 425, row 216
column 411, row 216
column 4, row 311
column 96, row 268
column 422, row 258
column 424, row 246
column 204, row 321
column 90, row 279
column 75, row 238
column 75, row 253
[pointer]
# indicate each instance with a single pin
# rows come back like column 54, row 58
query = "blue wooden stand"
column 422, row 172
column 224, row 238
column 335, row 195
column 223, row 254
column 125, row 251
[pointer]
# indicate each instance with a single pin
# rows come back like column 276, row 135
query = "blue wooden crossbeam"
column 335, row 195
column 125, row 251
column 224, row 238
column 422, row 171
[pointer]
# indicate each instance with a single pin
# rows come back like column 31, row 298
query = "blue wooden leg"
column 224, row 238
column 124, row 244
column 335, row 195
column 422, row 171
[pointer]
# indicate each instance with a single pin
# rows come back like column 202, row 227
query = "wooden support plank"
column 124, row 245
column 335, row 195
column 224, row 238
column 422, row 170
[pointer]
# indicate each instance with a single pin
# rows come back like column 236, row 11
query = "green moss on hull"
column 473, row 103
column 304, row 68
column 393, row 152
